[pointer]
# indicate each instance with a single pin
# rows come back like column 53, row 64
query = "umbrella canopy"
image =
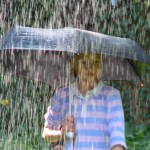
column 43, row 54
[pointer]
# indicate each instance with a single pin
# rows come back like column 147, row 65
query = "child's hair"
column 75, row 60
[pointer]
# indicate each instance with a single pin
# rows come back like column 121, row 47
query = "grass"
column 29, row 141
column 137, row 138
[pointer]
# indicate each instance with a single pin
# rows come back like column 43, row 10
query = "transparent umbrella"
column 43, row 54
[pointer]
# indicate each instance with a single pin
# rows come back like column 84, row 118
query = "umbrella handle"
column 70, row 135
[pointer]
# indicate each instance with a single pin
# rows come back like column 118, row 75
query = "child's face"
column 88, row 69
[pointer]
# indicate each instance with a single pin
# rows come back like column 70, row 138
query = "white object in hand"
column 69, row 135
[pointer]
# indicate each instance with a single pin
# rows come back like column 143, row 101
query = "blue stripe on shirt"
column 90, row 108
column 92, row 133
column 116, row 108
column 92, row 145
column 90, row 120
column 118, row 129
column 116, row 119
column 114, row 139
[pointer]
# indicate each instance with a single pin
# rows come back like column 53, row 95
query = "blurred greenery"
column 21, row 121
column 137, row 136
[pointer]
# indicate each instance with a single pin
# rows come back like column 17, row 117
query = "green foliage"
column 21, row 122
column 137, row 136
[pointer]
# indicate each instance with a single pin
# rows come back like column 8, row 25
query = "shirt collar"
column 95, row 91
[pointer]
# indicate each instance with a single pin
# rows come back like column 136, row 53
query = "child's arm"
column 53, row 118
column 52, row 135
column 116, row 123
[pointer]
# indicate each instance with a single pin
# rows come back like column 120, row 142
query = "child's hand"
column 68, row 125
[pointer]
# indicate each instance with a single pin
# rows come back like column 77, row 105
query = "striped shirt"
column 99, row 117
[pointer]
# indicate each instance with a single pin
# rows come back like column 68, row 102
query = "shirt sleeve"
column 54, row 117
column 115, row 118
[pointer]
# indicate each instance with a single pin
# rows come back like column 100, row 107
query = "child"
column 97, row 119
